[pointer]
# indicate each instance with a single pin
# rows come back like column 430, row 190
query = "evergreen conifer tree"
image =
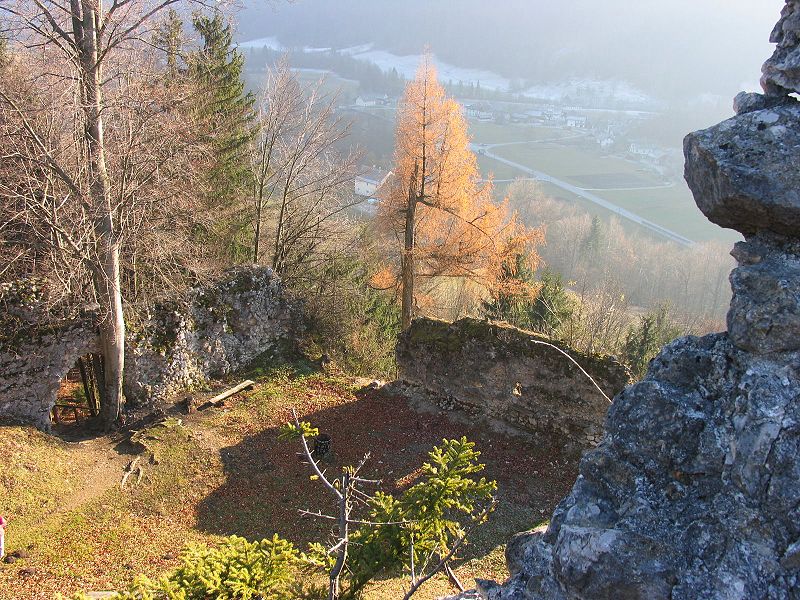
column 224, row 108
column 169, row 37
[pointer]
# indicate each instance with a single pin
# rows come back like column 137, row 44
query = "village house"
column 366, row 101
column 646, row 151
column 577, row 121
column 369, row 181
column 481, row 111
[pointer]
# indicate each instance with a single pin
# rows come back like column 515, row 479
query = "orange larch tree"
column 436, row 209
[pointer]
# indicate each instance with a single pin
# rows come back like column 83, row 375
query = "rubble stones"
column 31, row 370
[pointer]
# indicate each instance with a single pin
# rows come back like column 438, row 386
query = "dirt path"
column 224, row 472
column 101, row 469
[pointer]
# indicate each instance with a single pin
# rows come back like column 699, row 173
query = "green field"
column 612, row 179
column 498, row 170
column 577, row 165
column 673, row 208
column 491, row 133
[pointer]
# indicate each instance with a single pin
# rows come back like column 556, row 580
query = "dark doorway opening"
column 78, row 401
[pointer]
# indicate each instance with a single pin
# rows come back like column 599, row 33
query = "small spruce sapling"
column 419, row 532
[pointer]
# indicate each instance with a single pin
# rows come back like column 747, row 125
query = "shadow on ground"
column 266, row 482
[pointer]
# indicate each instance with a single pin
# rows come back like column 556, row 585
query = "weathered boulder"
column 501, row 373
column 765, row 310
column 746, row 102
column 692, row 493
column 745, row 172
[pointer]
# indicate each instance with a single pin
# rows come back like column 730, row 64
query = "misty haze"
column 382, row 299
column 621, row 81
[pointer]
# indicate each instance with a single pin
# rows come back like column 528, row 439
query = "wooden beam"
column 217, row 400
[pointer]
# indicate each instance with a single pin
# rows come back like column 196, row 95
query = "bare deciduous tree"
column 302, row 184
column 84, row 48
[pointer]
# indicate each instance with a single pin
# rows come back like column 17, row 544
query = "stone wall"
column 214, row 331
column 33, row 365
column 502, row 373
column 211, row 332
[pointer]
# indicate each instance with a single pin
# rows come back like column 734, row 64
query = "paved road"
column 626, row 214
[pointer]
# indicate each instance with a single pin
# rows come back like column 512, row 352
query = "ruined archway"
column 32, row 368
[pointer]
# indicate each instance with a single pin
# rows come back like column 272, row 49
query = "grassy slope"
column 223, row 472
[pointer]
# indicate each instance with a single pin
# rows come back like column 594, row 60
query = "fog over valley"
column 676, row 51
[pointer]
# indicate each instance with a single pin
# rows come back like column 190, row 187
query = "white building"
column 371, row 101
column 482, row 111
column 646, row 151
column 369, row 181
column 577, row 121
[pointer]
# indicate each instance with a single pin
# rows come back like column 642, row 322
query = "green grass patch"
column 493, row 133
column 569, row 162
column 497, row 169
column 35, row 470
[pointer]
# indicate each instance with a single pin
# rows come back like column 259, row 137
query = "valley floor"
column 222, row 471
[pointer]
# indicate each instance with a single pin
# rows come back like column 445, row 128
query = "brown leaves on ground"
column 225, row 473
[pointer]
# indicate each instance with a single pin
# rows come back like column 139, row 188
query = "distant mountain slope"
column 670, row 49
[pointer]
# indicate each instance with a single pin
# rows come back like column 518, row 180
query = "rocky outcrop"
column 693, row 492
column 213, row 331
column 501, row 373
column 745, row 172
column 781, row 73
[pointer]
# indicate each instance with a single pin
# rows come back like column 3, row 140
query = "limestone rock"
column 499, row 373
column 745, row 172
column 214, row 330
column 746, row 102
column 692, row 493
column 765, row 310
column 32, row 366
column 781, row 73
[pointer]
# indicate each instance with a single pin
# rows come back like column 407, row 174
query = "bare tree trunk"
column 112, row 333
column 257, row 241
column 260, row 184
column 106, row 275
column 277, row 254
column 407, row 275
column 89, row 387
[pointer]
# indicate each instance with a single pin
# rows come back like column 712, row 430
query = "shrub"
column 237, row 570
column 645, row 339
